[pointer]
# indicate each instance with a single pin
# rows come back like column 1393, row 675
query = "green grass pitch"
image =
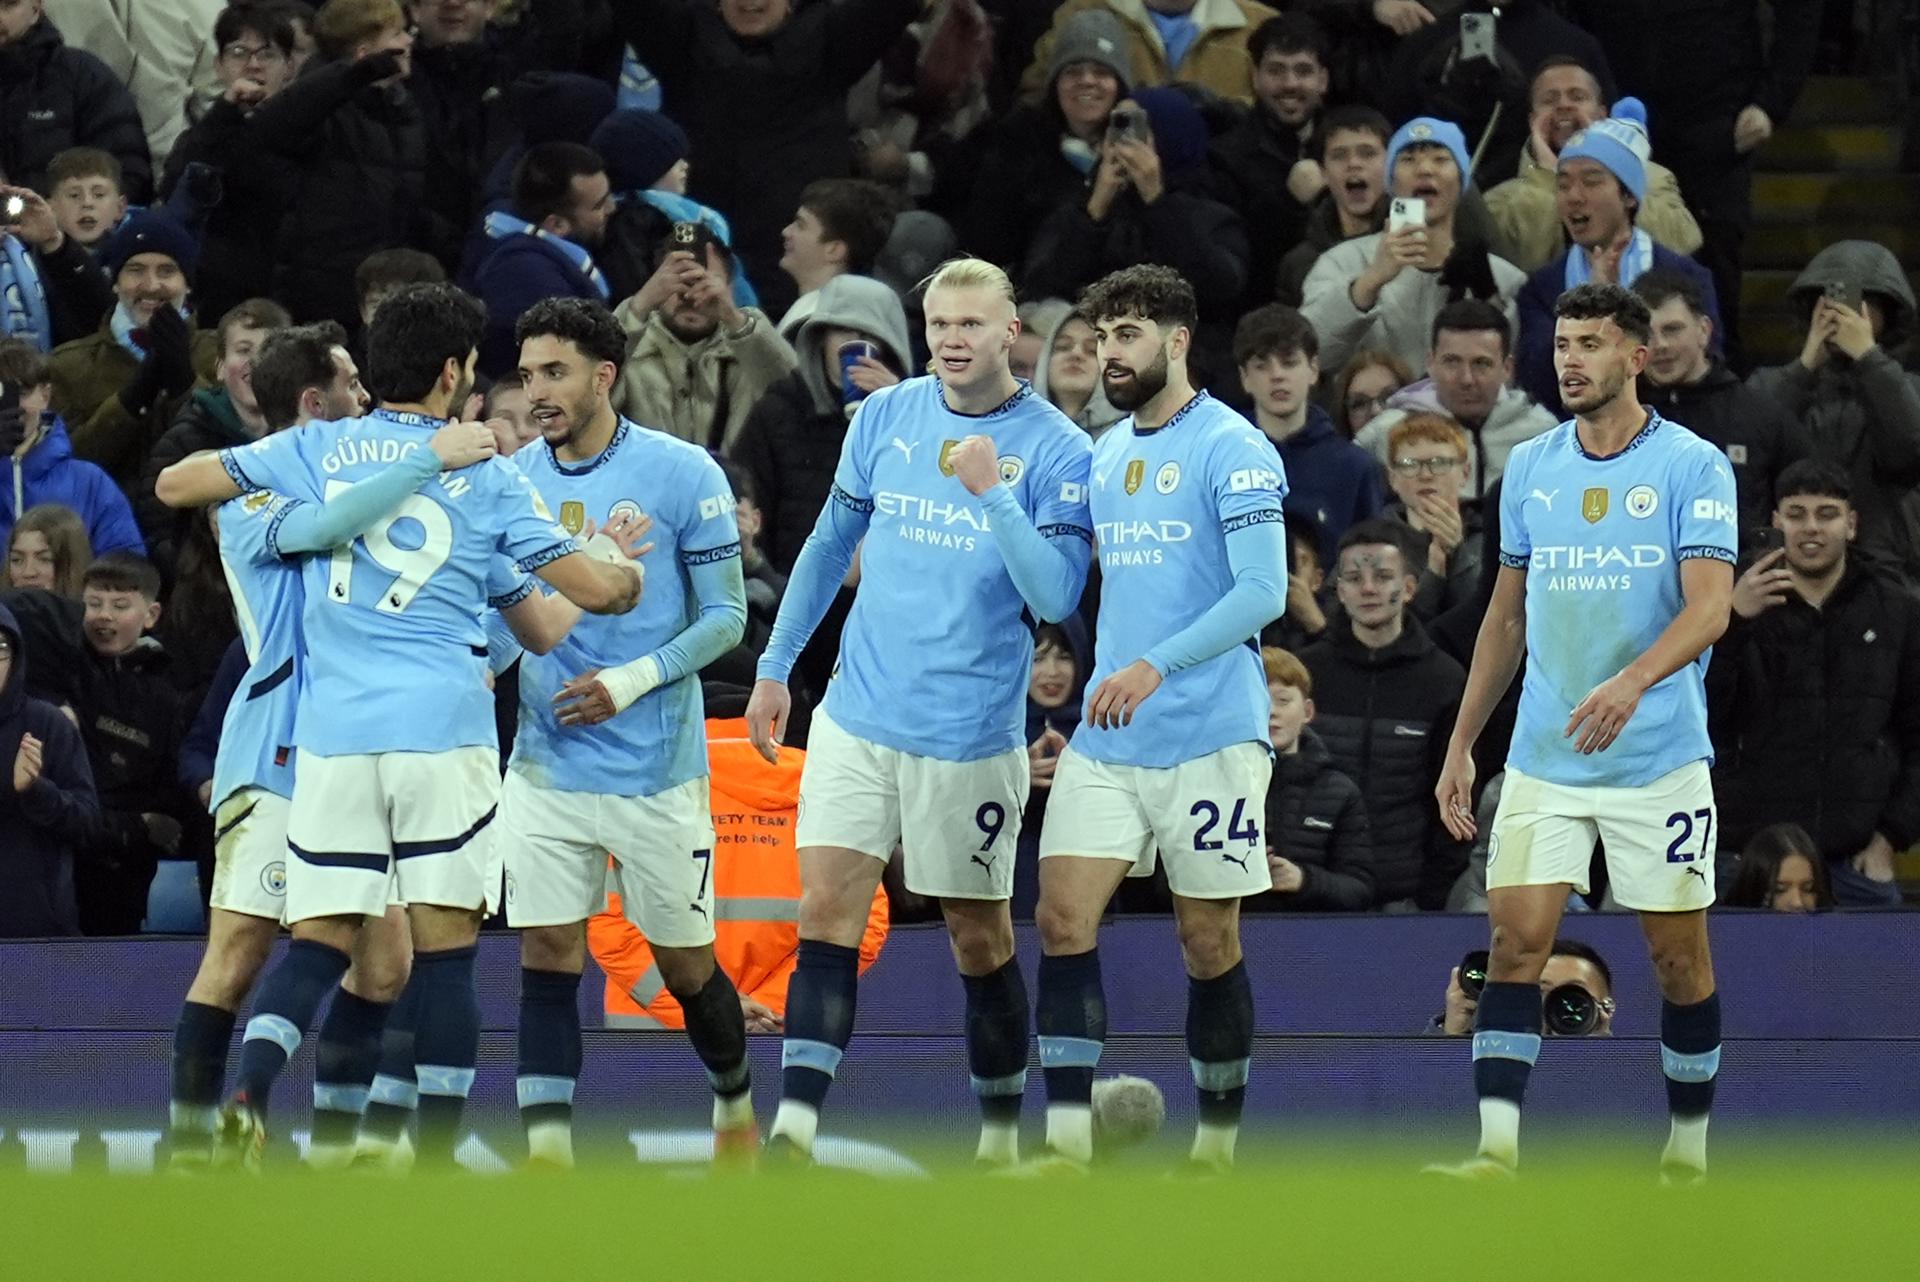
column 1321, row 1213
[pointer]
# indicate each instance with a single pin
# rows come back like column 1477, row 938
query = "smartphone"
column 1128, row 123
column 1406, row 211
column 12, row 209
column 1763, row 541
column 691, row 238
column 1844, row 293
column 1477, row 37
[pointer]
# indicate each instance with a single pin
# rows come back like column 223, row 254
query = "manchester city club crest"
column 1136, row 473
column 1167, row 478
column 1593, row 504
column 625, row 507
column 1642, row 502
column 1010, row 468
column 573, row 516
column 273, row 879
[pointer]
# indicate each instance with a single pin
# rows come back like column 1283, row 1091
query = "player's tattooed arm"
column 1496, row 660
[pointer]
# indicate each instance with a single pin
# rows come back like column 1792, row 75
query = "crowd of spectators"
column 1376, row 218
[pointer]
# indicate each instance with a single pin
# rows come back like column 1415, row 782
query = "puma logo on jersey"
column 905, row 448
column 1242, row 860
column 1546, row 497
column 985, row 863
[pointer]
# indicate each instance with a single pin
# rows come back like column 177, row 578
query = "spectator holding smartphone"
column 1814, row 694
column 1861, row 409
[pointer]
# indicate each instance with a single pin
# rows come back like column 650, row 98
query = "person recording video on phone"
column 697, row 363
column 1859, row 406
column 1148, row 202
column 1815, row 689
column 1383, row 291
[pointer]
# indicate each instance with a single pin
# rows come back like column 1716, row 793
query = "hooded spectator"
column 1860, row 408
column 53, row 97
column 47, row 806
column 119, row 387
column 39, row 463
column 1067, row 372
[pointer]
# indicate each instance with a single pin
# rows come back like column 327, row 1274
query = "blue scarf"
column 23, row 298
column 1634, row 263
column 501, row 224
column 685, row 209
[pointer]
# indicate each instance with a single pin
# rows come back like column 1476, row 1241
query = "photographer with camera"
column 696, row 363
column 1148, row 202
column 1576, row 993
column 1815, row 694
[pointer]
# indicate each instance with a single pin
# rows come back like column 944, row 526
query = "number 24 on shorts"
column 1239, row 828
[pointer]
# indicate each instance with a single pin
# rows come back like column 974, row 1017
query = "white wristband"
column 602, row 548
column 629, row 681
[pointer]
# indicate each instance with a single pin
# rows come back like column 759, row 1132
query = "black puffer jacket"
column 53, row 97
column 362, row 156
column 1754, row 431
column 790, row 448
column 206, row 421
column 1022, row 178
column 1385, row 716
column 237, row 241
column 132, row 720
column 1816, row 717
column 1317, row 819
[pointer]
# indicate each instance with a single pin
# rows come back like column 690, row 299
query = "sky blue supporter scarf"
column 1637, row 261
column 23, row 298
column 501, row 224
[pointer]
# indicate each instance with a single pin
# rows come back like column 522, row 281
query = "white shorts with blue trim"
column 1205, row 819
column 371, row 829
column 1659, row 838
column 957, row 822
column 556, row 846
column 250, row 854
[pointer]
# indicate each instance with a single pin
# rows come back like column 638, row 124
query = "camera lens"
column 1473, row 972
column 1571, row 1011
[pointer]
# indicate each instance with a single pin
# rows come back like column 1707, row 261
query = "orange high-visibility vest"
column 756, row 892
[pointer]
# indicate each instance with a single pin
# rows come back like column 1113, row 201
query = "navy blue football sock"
column 199, row 1068
column 345, row 1055
column 446, row 1042
column 394, row 1094
column 1690, row 1054
column 997, row 1041
column 289, row 997
column 718, row 1032
column 1506, row 1040
column 820, row 1006
column 1072, row 1022
column 550, row 1053
column 1220, row 1043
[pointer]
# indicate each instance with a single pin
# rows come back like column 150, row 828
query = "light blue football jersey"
column 396, row 652
column 660, row 741
column 257, row 733
column 1163, row 503
column 937, row 655
column 1601, row 540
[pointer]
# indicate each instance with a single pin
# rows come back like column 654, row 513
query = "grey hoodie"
column 1862, row 416
column 851, row 302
